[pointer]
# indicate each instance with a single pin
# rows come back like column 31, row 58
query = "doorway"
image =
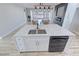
column 60, row 13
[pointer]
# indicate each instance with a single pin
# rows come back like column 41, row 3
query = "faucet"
column 37, row 26
column 38, row 23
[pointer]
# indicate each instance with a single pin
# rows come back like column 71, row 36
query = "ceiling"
column 32, row 5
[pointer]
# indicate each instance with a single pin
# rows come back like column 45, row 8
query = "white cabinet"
column 43, row 44
column 32, row 43
column 20, row 43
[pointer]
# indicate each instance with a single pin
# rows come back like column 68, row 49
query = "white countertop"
column 51, row 29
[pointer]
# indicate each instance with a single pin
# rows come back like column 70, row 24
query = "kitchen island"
column 54, row 40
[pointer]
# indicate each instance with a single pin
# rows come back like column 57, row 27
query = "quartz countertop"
column 51, row 29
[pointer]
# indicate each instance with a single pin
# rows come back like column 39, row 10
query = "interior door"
column 60, row 13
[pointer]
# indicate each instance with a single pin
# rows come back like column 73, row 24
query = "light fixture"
column 35, row 7
column 42, row 6
column 39, row 7
column 49, row 7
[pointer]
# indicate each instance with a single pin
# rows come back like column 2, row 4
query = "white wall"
column 27, row 11
column 11, row 17
column 71, row 9
column 52, row 15
column 74, row 27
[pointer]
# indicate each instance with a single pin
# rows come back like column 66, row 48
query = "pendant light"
column 44, row 8
column 35, row 7
column 41, row 5
column 48, row 7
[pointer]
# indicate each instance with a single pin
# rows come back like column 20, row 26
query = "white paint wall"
column 11, row 17
column 52, row 15
column 27, row 11
column 71, row 9
column 74, row 27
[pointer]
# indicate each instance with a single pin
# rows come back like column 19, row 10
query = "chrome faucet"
column 38, row 23
column 37, row 26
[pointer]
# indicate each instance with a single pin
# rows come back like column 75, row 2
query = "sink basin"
column 39, row 31
column 32, row 32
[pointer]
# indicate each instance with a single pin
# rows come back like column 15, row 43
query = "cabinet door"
column 20, row 43
column 57, row 43
column 30, row 43
column 43, row 43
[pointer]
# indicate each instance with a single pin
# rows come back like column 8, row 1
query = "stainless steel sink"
column 39, row 31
